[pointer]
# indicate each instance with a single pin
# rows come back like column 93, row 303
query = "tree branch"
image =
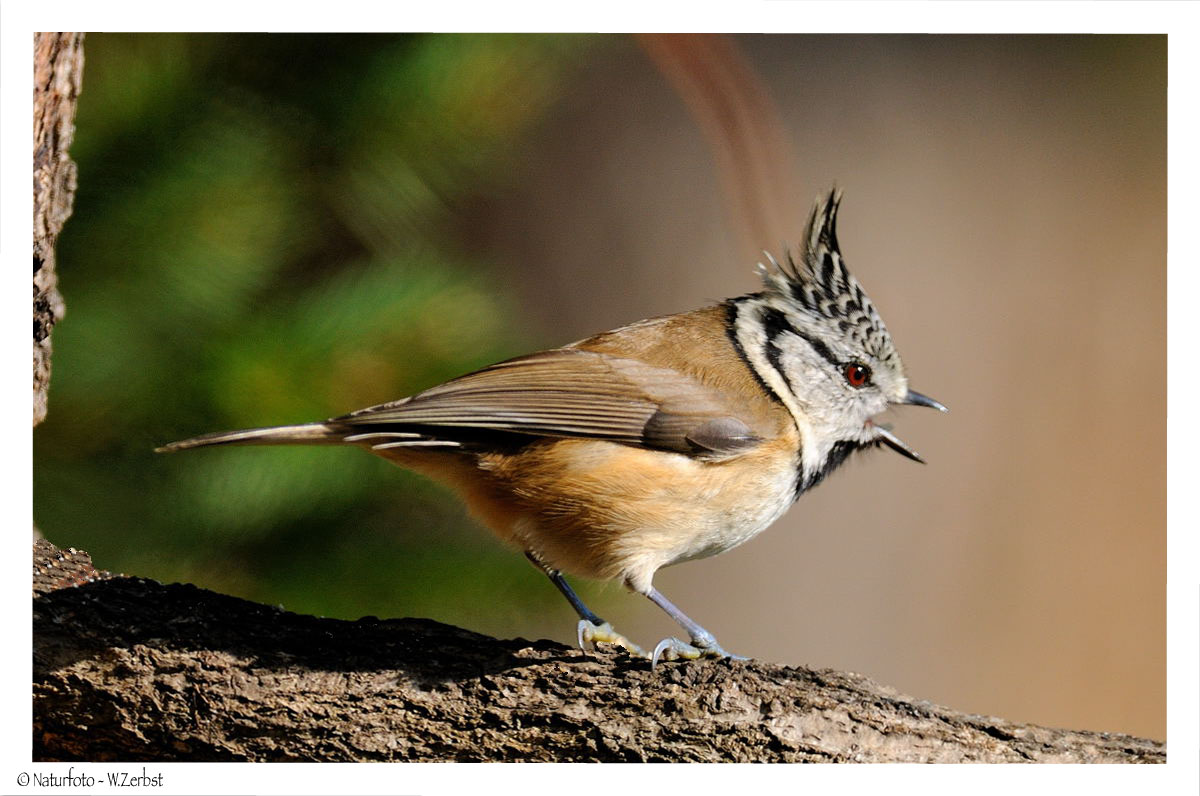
column 129, row 669
column 57, row 76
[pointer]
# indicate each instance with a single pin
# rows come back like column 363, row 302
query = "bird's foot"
column 673, row 649
column 591, row 634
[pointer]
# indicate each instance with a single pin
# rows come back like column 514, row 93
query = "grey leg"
column 704, row 644
column 591, row 628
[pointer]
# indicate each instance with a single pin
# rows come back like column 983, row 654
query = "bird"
column 667, row 440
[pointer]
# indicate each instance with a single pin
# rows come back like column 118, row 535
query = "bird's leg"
column 704, row 644
column 591, row 629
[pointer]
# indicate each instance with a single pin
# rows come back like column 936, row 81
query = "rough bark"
column 129, row 669
column 57, row 76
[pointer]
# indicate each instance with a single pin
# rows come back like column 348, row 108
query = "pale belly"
column 610, row 511
column 615, row 512
column 719, row 530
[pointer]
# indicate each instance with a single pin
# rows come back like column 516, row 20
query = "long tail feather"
column 306, row 434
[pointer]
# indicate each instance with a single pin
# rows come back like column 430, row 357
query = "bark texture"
column 133, row 670
column 57, row 76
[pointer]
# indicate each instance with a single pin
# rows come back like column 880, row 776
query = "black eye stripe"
column 776, row 323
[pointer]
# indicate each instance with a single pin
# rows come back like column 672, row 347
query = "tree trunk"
column 132, row 670
column 57, row 75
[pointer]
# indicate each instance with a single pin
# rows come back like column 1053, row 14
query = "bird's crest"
column 823, row 289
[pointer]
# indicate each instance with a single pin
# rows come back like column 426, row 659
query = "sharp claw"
column 590, row 633
column 670, row 649
column 672, row 645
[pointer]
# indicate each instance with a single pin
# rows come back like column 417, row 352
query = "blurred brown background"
column 1005, row 207
column 321, row 223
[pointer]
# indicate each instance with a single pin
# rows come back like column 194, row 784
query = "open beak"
column 884, row 433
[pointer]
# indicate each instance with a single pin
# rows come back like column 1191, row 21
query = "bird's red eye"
column 857, row 374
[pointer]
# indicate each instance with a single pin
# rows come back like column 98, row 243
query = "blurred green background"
column 268, row 230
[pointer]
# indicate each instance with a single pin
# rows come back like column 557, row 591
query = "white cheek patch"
column 818, row 396
column 752, row 338
column 805, row 372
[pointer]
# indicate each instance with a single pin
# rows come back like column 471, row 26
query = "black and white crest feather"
column 822, row 286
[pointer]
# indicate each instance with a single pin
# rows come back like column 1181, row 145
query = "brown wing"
column 570, row 392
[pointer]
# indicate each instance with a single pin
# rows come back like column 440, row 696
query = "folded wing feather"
column 570, row 392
